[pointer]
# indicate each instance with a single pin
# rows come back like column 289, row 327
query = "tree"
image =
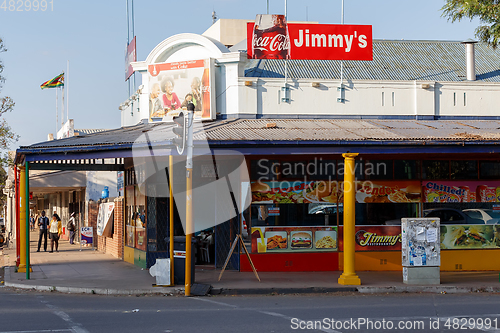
column 487, row 11
column 7, row 136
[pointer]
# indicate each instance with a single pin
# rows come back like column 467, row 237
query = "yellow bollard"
column 349, row 276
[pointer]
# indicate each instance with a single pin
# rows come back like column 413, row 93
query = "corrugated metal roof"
column 324, row 130
column 392, row 60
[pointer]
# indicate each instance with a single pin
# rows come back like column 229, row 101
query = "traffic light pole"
column 189, row 201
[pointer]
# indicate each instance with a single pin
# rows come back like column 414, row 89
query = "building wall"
column 114, row 245
column 93, row 210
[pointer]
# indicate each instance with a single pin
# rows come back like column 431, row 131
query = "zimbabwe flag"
column 58, row 81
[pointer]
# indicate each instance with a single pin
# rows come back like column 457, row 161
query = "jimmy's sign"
column 278, row 40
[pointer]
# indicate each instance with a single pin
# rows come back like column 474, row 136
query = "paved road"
column 55, row 312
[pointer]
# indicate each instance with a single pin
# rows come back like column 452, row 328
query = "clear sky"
column 92, row 35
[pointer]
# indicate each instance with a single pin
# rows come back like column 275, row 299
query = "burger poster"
column 475, row 236
column 293, row 239
column 461, row 191
column 375, row 238
column 327, row 191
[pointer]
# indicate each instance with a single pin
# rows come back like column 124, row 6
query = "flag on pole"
column 58, row 81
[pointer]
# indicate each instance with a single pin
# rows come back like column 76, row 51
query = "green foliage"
column 487, row 11
column 7, row 136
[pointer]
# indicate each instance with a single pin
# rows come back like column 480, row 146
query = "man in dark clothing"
column 43, row 223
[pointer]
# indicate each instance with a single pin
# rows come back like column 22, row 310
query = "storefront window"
column 378, row 169
column 463, row 170
column 489, row 170
column 129, row 221
column 406, row 169
column 436, row 170
column 140, row 220
column 264, row 169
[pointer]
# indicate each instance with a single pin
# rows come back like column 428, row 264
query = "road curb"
column 97, row 291
column 268, row 291
column 428, row 289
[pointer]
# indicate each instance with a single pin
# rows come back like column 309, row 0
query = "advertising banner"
column 87, row 234
column 475, row 236
column 461, row 191
column 173, row 85
column 293, row 239
column 324, row 191
column 397, row 191
column 104, row 223
column 270, row 37
column 375, row 238
column 130, row 56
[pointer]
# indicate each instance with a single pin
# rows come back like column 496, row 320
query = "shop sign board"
column 293, row 239
column 119, row 181
column 275, row 211
column 173, row 85
column 374, row 238
column 87, row 234
column 461, row 191
column 271, row 37
column 474, row 236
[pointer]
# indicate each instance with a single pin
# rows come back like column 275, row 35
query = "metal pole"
column 22, row 224
column 189, row 202
column 171, row 215
column 27, row 221
column 66, row 85
column 341, row 61
column 349, row 276
column 18, row 227
column 57, row 111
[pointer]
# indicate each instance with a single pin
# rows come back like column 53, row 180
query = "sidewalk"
column 89, row 271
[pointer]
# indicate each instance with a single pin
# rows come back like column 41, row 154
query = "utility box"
column 180, row 259
column 421, row 250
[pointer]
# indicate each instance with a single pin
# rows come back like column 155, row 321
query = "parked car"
column 489, row 216
column 451, row 216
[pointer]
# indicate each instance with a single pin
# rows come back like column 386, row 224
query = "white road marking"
column 214, row 302
column 75, row 327
column 40, row 331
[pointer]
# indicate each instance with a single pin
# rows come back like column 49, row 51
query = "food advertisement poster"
column 293, row 239
column 461, row 191
column 375, row 238
column 474, row 236
column 172, row 86
column 325, row 191
column 388, row 191
column 87, row 234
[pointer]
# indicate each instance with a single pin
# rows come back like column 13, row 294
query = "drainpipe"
column 470, row 59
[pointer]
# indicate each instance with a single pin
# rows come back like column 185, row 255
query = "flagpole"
column 62, row 108
column 66, row 85
column 57, row 111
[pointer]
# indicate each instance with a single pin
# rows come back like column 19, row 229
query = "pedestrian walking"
column 55, row 229
column 43, row 223
column 71, row 226
column 32, row 223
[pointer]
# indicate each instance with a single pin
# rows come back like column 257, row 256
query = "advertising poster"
column 173, row 85
column 325, row 191
column 271, row 37
column 474, row 236
column 375, row 238
column 104, row 220
column 461, row 191
column 87, row 234
column 293, row 239
column 377, row 191
column 130, row 57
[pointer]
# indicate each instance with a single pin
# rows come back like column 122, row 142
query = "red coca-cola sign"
column 309, row 41
column 270, row 37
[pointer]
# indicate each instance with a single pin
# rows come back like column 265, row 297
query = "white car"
column 489, row 216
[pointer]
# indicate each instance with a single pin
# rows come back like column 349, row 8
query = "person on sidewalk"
column 43, row 223
column 71, row 226
column 55, row 229
column 32, row 223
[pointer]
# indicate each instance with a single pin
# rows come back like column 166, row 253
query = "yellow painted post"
column 22, row 221
column 171, row 216
column 189, row 228
column 349, row 276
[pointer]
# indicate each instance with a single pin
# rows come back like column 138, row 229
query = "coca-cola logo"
column 278, row 42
